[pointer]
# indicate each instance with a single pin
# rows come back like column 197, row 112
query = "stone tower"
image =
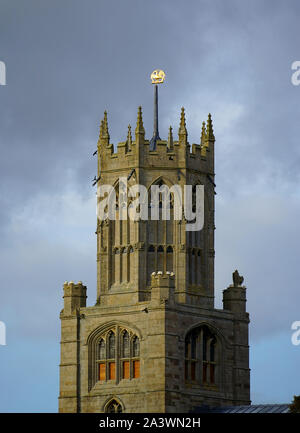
column 153, row 341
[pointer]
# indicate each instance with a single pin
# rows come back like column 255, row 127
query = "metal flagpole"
column 157, row 77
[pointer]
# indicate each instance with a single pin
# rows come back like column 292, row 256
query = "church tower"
column 153, row 341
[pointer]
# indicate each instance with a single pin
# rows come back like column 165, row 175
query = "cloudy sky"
column 66, row 62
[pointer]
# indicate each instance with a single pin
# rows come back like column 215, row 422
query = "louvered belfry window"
column 201, row 360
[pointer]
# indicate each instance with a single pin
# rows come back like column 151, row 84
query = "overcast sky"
column 66, row 62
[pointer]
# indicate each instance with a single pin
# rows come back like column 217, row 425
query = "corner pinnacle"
column 170, row 139
column 139, row 124
column 182, row 128
column 203, row 134
column 210, row 131
column 105, row 132
column 101, row 130
column 129, row 138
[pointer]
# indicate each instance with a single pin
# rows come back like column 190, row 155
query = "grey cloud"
column 69, row 61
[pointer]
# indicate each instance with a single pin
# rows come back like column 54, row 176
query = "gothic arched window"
column 201, row 360
column 121, row 235
column 170, row 259
column 113, row 407
column 160, row 229
column 117, row 356
column 160, row 258
column 194, row 261
column 151, row 259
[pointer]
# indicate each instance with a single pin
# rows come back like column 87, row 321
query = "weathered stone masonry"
column 153, row 341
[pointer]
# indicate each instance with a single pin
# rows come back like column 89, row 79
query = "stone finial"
column 105, row 132
column 129, row 138
column 237, row 279
column 101, row 130
column 139, row 124
column 203, row 134
column 182, row 128
column 209, row 129
column 170, row 139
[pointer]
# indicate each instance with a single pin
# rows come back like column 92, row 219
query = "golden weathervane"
column 158, row 76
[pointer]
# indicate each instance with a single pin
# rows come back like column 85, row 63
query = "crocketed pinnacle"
column 203, row 133
column 209, row 129
column 182, row 127
column 101, row 130
column 139, row 124
column 129, row 138
column 170, row 139
column 105, row 132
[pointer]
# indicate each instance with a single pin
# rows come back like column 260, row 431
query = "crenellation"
column 167, row 152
